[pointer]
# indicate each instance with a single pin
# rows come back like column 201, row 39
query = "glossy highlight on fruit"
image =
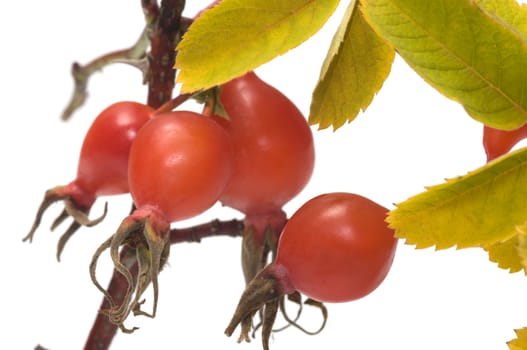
column 273, row 145
column 102, row 168
column 103, row 164
column 337, row 247
column 274, row 158
column 180, row 163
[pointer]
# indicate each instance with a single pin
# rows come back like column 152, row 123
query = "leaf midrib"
column 463, row 193
column 463, row 62
column 267, row 29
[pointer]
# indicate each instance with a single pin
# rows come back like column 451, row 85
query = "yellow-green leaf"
column 505, row 254
column 237, row 36
column 509, row 12
column 475, row 210
column 522, row 244
column 468, row 55
column 357, row 64
column 520, row 342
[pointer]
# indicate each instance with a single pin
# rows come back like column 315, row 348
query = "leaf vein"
column 476, row 73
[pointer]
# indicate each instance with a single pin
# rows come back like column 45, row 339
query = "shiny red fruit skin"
column 498, row 142
column 337, row 247
column 273, row 145
column 179, row 164
column 103, row 161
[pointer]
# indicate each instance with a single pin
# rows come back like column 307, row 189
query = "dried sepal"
column 148, row 235
column 78, row 212
column 265, row 295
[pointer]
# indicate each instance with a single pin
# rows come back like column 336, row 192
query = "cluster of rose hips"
column 254, row 156
column 252, row 150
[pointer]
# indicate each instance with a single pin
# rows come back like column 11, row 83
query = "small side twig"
column 135, row 55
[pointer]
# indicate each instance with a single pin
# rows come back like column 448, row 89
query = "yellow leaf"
column 357, row 64
column 505, row 254
column 520, row 343
column 237, row 36
column 470, row 56
column 522, row 244
column 475, row 210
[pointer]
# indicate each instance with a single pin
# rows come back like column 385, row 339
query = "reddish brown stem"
column 233, row 228
column 103, row 330
column 166, row 35
column 150, row 9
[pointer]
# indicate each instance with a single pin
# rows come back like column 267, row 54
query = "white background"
column 409, row 138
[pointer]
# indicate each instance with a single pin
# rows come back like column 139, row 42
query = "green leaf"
column 505, row 254
column 357, row 64
column 509, row 12
column 470, row 56
column 475, row 210
column 237, row 36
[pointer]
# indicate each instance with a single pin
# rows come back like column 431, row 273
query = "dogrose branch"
column 103, row 331
column 164, row 30
column 155, row 66
column 166, row 35
column 232, row 228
